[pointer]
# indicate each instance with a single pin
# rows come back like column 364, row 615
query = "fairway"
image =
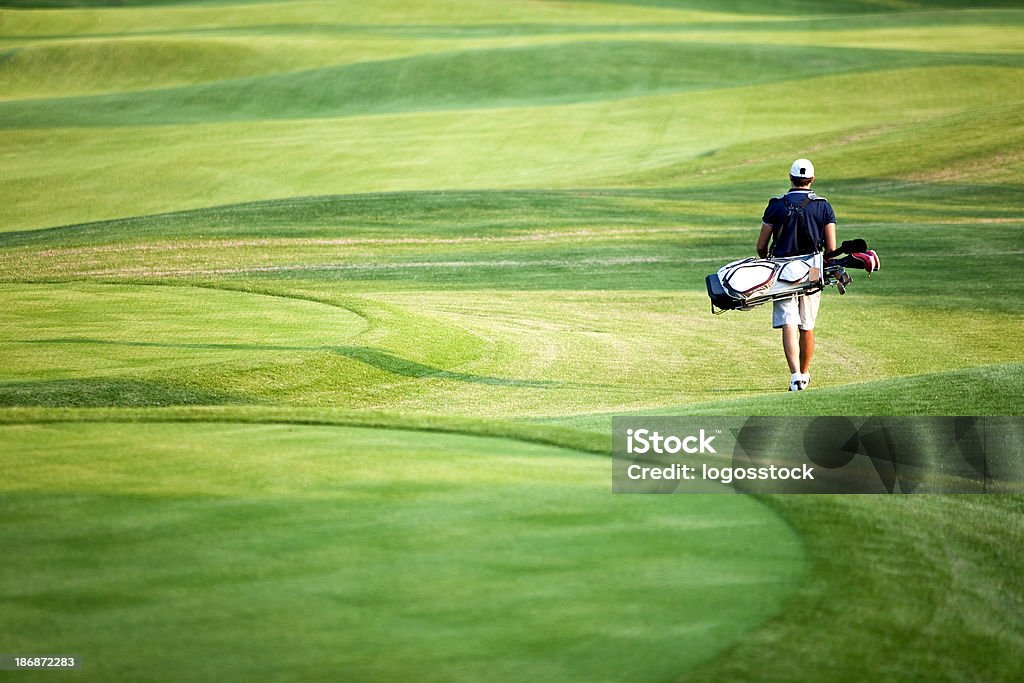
column 314, row 316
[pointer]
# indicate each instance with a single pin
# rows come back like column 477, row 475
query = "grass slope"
column 464, row 79
column 588, row 144
column 252, row 255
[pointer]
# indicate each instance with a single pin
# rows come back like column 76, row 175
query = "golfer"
column 798, row 222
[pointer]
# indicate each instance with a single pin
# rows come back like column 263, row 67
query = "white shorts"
column 797, row 310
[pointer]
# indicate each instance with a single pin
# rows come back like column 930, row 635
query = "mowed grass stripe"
column 72, row 67
column 297, row 416
column 560, row 146
column 571, row 72
column 389, row 14
column 103, row 19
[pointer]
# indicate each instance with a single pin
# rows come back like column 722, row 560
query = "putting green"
column 247, row 552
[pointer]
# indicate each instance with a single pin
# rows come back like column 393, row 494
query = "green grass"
column 573, row 72
column 256, row 257
column 466, row 557
column 938, row 599
column 108, row 175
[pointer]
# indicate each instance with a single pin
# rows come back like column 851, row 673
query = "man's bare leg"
column 806, row 350
column 791, row 344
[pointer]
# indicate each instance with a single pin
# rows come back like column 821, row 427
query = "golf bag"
column 748, row 283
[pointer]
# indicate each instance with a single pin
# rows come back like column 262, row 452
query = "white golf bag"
column 748, row 283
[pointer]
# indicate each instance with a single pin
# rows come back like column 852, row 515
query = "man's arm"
column 766, row 234
column 830, row 237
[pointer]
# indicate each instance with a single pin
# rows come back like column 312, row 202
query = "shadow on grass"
column 381, row 360
column 101, row 392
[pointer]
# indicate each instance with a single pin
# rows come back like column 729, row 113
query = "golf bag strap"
column 790, row 208
column 807, row 200
column 800, row 207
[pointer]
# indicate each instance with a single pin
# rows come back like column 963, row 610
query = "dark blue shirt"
column 818, row 213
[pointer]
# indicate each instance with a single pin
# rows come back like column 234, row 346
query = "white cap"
column 802, row 168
